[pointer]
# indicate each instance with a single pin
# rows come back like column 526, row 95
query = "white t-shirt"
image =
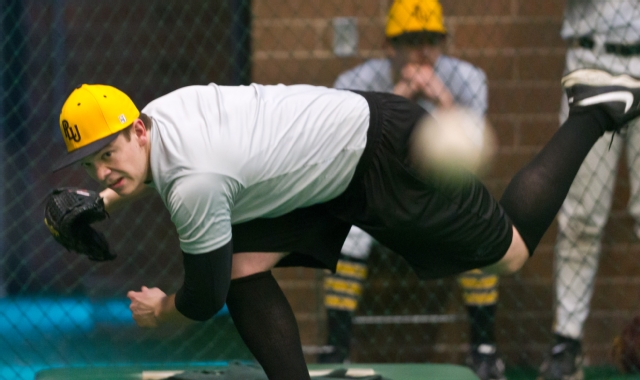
column 222, row 155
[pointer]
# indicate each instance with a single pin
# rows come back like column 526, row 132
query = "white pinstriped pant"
column 586, row 209
column 358, row 244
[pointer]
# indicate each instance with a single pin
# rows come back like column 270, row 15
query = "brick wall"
column 517, row 43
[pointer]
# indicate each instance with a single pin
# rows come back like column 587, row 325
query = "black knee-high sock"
column 482, row 324
column 537, row 191
column 267, row 325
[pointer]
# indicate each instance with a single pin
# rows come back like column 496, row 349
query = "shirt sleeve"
column 200, row 208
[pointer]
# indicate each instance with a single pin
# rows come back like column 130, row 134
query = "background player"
column 416, row 68
column 601, row 34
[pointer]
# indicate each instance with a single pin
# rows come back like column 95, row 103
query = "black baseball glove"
column 68, row 214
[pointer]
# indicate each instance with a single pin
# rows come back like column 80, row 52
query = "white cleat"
column 617, row 95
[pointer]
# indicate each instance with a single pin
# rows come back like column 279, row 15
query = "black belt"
column 617, row 49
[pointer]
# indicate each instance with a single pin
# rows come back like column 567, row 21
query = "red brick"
column 371, row 36
column 476, row 8
column 518, row 294
column 534, row 66
column 263, row 9
column 621, row 261
column 504, row 131
column 550, row 8
column 619, row 229
column 309, row 332
column 285, row 37
column 621, row 191
column 497, row 67
column 549, row 238
column 524, row 99
column 602, row 326
column 615, row 295
column 291, row 71
column 304, row 299
column 531, row 34
column 507, row 164
column 534, row 132
column 540, row 266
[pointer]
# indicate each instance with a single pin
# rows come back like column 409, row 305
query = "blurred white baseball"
column 452, row 141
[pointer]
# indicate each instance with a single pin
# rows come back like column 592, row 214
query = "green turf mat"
column 590, row 373
column 392, row 371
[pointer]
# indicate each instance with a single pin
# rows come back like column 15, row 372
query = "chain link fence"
column 58, row 309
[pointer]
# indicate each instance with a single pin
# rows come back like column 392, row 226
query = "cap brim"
column 83, row 152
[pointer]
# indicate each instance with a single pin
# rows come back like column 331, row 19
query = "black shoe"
column 485, row 362
column 617, row 95
column 564, row 361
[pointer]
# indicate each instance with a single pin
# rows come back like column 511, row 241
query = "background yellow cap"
column 409, row 16
column 91, row 118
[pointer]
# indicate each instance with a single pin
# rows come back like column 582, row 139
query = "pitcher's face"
column 123, row 165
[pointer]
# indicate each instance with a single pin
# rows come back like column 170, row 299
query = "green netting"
column 60, row 310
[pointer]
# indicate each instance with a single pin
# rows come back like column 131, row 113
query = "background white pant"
column 358, row 244
column 586, row 209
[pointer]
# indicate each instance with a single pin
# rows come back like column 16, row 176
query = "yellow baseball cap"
column 410, row 16
column 91, row 118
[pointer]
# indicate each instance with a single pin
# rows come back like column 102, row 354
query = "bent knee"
column 513, row 260
column 510, row 266
column 249, row 263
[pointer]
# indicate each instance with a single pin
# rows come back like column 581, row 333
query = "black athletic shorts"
column 440, row 229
